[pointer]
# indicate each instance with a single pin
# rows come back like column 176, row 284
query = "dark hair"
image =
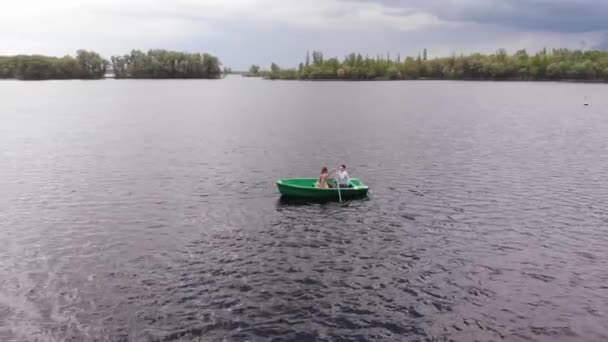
column 324, row 169
column 343, row 166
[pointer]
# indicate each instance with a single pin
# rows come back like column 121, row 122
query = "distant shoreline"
column 562, row 65
column 325, row 80
column 153, row 64
column 442, row 79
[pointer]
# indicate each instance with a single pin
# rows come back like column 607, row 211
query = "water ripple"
column 154, row 216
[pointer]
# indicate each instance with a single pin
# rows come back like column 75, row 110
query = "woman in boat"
column 322, row 181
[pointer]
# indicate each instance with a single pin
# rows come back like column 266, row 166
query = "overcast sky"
column 242, row 32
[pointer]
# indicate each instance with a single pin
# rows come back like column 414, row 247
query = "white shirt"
column 343, row 178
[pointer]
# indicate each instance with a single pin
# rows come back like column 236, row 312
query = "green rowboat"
column 305, row 188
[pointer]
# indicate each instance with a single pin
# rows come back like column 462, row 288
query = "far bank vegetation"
column 557, row 64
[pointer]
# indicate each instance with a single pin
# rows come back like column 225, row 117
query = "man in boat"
column 342, row 177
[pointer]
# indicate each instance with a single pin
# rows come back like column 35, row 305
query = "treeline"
column 558, row 64
column 166, row 64
column 86, row 65
column 255, row 71
column 90, row 65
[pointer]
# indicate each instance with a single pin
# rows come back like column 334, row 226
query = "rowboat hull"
column 305, row 188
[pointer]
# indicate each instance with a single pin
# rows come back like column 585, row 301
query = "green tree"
column 393, row 73
column 554, row 70
column 160, row 63
column 254, row 69
column 8, row 66
column 119, row 66
column 34, row 68
column 317, row 58
column 274, row 68
column 92, row 65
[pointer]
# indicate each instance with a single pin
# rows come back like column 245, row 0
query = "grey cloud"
column 546, row 15
column 256, row 32
column 564, row 16
column 603, row 44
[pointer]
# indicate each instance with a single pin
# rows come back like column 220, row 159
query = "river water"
column 147, row 211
